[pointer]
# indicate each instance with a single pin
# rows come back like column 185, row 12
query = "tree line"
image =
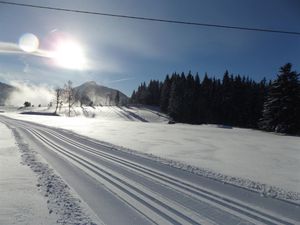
column 233, row 100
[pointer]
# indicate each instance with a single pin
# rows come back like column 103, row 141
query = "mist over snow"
column 35, row 94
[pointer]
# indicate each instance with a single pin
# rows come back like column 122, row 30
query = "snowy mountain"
column 100, row 95
column 5, row 90
column 87, row 93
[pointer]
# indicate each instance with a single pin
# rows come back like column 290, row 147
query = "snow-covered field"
column 111, row 113
column 223, row 153
column 20, row 200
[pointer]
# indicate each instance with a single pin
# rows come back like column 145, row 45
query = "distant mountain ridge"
column 98, row 94
column 5, row 91
column 86, row 93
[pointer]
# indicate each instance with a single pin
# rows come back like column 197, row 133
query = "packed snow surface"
column 20, row 200
column 263, row 157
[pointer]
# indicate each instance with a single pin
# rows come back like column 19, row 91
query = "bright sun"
column 69, row 54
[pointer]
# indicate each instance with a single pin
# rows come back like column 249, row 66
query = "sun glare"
column 69, row 54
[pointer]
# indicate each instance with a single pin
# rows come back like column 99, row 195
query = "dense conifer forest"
column 233, row 100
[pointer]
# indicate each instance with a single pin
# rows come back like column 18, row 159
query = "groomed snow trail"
column 20, row 201
column 123, row 188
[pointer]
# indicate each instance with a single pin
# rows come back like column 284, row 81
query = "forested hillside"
column 233, row 100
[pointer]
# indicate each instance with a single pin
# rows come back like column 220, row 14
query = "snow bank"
column 20, row 201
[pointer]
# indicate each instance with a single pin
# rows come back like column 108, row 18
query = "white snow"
column 253, row 155
column 137, row 114
column 20, row 200
column 62, row 200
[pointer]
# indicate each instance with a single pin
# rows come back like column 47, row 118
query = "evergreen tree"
column 175, row 108
column 133, row 97
column 141, row 94
column 206, row 97
column 227, row 104
column 281, row 108
column 189, row 100
column 117, row 98
column 188, row 97
column 233, row 101
column 153, row 90
column 165, row 94
column 198, row 102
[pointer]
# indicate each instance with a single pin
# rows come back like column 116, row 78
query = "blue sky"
column 123, row 53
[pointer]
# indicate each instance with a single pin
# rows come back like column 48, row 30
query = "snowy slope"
column 100, row 95
column 130, row 113
column 111, row 113
column 225, row 154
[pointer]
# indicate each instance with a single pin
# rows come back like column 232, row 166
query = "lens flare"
column 29, row 42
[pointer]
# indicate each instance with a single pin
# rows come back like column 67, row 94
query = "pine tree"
column 117, row 98
column 233, row 101
column 188, row 99
column 206, row 99
column 165, row 94
column 198, row 102
column 133, row 97
column 227, row 103
column 153, row 91
column 281, row 108
column 175, row 108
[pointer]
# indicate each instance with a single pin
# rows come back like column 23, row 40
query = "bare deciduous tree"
column 58, row 98
column 69, row 93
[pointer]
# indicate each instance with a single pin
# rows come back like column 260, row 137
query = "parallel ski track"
column 169, row 215
column 182, row 186
column 236, row 208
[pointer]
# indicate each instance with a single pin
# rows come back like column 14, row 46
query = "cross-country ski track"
column 124, row 188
